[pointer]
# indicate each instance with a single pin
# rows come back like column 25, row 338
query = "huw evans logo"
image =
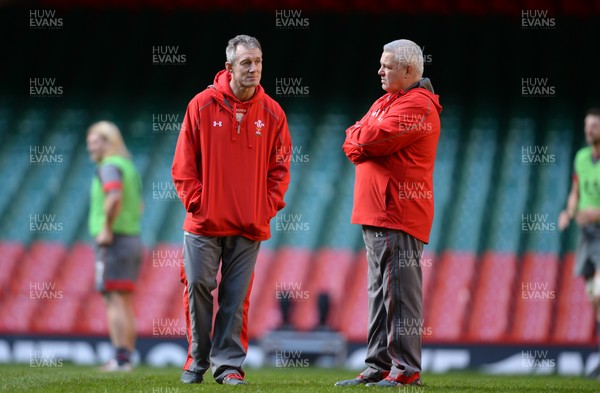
column 414, row 190
column 44, row 20
column 167, row 327
column 44, row 291
column 537, row 88
column 44, row 223
column 165, row 123
column 44, row 359
column 413, row 259
column 167, row 55
column 44, row 155
column 413, row 327
column 535, row 290
column 290, row 291
column 44, row 88
column 537, row 155
column 290, row 359
column 290, row 223
column 537, row 223
column 414, row 123
column 291, row 155
column 166, row 258
column 164, row 191
column 537, row 359
column 537, row 20
column 291, row 19
column 163, row 389
column 291, row 88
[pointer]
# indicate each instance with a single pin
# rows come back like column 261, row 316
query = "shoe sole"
column 416, row 383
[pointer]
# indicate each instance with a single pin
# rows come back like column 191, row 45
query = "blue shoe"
column 190, row 377
column 360, row 380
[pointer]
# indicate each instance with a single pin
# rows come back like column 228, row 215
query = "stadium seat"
column 57, row 316
column 261, row 288
column 491, row 312
column 451, row 296
column 534, row 298
column 159, row 273
column 16, row 313
column 11, row 254
column 76, row 275
column 288, row 271
column 354, row 317
column 92, row 318
column 158, row 279
column 329, row 274
column 39, row 266
column 575, row 322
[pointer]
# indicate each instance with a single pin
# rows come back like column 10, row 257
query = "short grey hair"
column 242, row 39
column 407, row 53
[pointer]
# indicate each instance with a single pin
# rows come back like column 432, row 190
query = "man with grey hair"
column 231, row 170
column 393, row 147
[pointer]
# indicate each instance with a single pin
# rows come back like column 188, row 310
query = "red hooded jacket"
column 231, row 175
column 394, row 147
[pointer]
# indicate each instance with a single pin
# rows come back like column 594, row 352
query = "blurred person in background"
column 583, row 205
column 231, row 170
column 394, row 147
column 114, row 223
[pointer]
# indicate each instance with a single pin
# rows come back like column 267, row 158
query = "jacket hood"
column 221, row 90
column 425, row 87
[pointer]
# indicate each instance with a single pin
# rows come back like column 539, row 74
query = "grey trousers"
column 395, row 303
column 202, row 256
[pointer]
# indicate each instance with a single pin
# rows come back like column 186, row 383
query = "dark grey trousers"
column 395, row 303
column 202, row 257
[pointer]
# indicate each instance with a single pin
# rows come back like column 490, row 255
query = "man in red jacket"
column 231, row 170
column 393, row 147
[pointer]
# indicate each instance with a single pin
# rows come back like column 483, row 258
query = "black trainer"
column 360, row 380
column 190, row 377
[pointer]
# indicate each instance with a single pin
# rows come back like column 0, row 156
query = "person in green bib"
column 114, row 223
column 583, row 205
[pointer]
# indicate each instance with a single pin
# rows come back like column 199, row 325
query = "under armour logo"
column 378, row 234
column 217, row 124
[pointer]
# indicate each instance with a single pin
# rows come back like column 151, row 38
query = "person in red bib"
column 231, row 170
column 393, row 147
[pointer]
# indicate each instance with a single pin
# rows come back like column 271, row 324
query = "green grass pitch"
column 69, row 378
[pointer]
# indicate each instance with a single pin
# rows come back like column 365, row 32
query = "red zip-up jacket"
column 231, row 175
column 394, row 147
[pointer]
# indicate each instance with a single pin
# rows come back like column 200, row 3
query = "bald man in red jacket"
column 394, row 147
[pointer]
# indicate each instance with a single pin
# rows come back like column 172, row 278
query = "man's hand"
column 105, row 237
column 587, row 216
column 563, row 220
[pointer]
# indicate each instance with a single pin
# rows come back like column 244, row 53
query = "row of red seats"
column 492, row 298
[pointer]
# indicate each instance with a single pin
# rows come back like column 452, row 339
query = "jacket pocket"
column 195, row 204
column 381, row 185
